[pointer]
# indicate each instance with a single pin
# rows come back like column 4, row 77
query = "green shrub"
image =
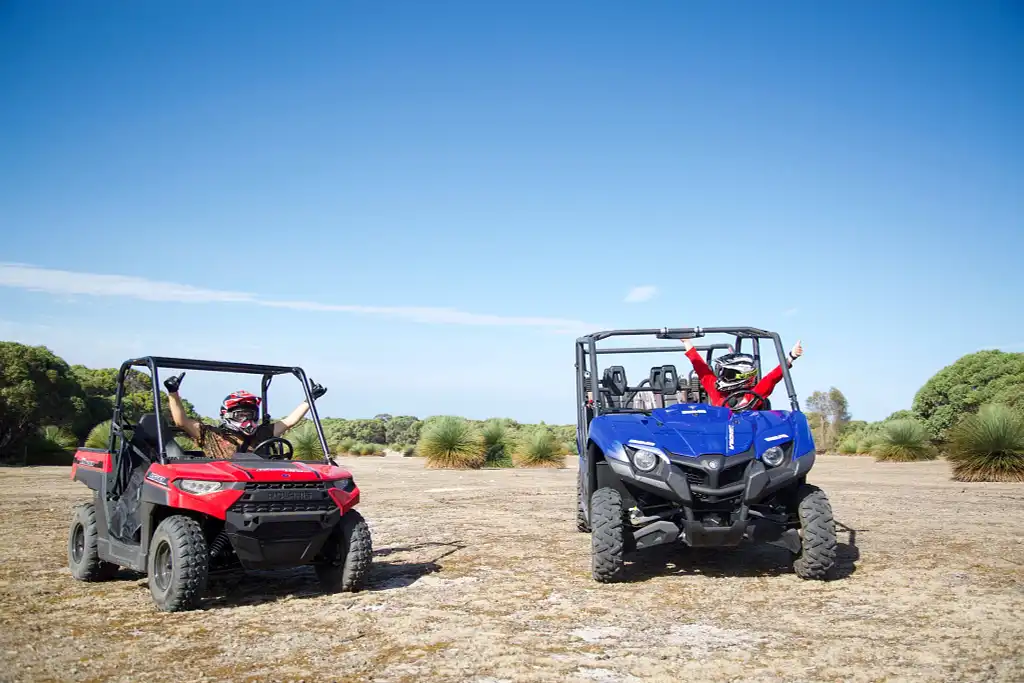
column 496, row 444
column 903, row 441
column 409, row 451
column 449, row 441
column 305, row 442
column 99, row 436
column 367, row 449
column 538, row 448
column 344, row 446
column 988, row 446
column 186, row 443
column 55, row 438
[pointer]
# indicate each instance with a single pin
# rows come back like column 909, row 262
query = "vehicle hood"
column 691, row 430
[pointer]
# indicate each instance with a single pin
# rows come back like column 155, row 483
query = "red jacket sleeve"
column 767, row 384
column 705, row 375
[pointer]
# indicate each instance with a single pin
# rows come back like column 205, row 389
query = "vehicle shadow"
column 238, row 588
column 743, row 561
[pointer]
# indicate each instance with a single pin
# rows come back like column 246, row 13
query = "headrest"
column 614, row 380
column 664, row 379
column 146, row 429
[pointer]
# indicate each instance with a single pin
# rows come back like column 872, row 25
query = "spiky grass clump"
column 903, row 441
column 867, row 444
column 305, row 442
column 848, row 447
column 497, row 445
column 451, row 442
column 538, row 448
column 99, row 436
column 988, row 446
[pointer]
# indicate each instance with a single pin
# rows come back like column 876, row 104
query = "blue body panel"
column 692, row 430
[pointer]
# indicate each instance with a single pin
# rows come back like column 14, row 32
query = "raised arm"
column 704, row 373
column 768, row 383
column 190, row 426
column 293, row 418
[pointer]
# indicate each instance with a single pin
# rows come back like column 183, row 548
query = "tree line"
column 48, row 407
column 971, row 412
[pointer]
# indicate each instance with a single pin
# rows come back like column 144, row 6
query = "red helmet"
column 239, row 412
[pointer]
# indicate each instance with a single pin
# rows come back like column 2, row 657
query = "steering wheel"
column 275, row 456
column 757, row 400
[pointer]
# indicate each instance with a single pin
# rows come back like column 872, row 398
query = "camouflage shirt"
column 221, row 444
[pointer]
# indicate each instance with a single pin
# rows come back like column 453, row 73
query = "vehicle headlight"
column 645, row 460
column 342, row 483
column 198, row 486
column 774, row 456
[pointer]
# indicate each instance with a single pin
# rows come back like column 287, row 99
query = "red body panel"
column 91, row 460
column 217, row 504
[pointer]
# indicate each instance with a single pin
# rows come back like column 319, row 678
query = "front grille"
column 269, row 497
column 695, row 477
column 265, row 507
column 278, row 485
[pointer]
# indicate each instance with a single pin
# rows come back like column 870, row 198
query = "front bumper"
column 281, row 525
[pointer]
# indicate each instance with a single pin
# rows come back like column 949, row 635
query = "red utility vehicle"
column 177, row 515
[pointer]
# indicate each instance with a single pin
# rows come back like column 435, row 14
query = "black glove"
column 317, row 390
column 172, row 383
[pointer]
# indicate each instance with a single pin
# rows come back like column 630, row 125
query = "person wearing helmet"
column 736, row 371
column 240, row 429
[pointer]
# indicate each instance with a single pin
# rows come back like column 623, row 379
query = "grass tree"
column 848, row 446
column 538, row 448
column 988, row 446
column 305, row 442
column 451, row 442
column 99, row 436
column 903, row 441
column 497, row 444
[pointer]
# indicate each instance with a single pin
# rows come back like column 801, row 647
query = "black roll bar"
column 155, row 362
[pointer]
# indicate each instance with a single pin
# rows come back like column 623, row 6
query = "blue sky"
column 435, row 198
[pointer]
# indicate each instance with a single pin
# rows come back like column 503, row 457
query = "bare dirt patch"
column 481, row 576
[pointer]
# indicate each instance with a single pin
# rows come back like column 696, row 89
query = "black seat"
column 145, row 432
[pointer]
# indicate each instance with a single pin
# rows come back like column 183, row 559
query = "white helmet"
column 735, row 371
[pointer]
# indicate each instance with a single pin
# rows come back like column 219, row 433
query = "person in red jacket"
column 735, row 371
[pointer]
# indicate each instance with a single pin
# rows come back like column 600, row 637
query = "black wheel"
column 83, row 558
column 581, row 515
column 178, row 565
column 608, row 530
column 348, row 555
column 817, row 556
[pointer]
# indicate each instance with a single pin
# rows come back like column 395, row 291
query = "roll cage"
column 589, row 379
column 153, row 363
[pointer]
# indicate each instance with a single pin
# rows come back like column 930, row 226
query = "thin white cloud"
column 641, row 293
column 790, row 312
column 64, row 283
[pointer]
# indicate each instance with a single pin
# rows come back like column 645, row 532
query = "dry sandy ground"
column 481, row 576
